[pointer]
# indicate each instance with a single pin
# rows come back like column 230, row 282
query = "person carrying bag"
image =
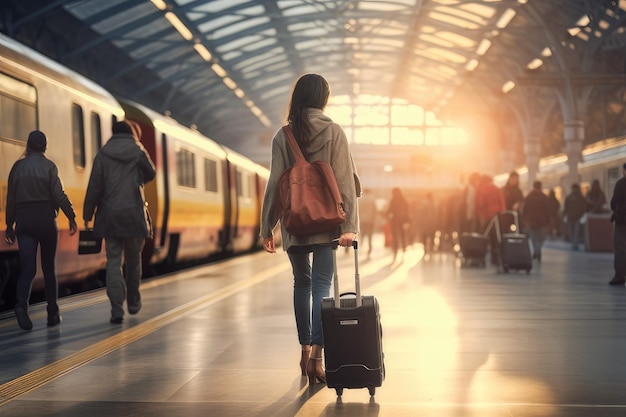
column 310, row 253
column 310, row 201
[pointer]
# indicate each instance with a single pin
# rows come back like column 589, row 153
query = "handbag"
column 309, row 197
column 88, row 243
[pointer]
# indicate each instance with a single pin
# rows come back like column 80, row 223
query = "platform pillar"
column 574, row 135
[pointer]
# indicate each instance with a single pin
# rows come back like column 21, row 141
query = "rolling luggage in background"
column 514, row 247
column 473, row 248
column 598, row 232
column 352, row 337
column 515, row 252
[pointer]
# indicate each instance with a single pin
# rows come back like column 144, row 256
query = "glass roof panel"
column 452, row 20
column 479, row 9
column 85, row 9
column 240, row 43
column 301, row 26
column 455, row 11
column 119, row 20
column 255, row 46
column 443, row 55
column 391, row 43
column 246, row 72
column 457, row 39
column 300, row 10
column 265, row 81
column 146, row 31
column 240, row 27
column 447, row 70
column 279, row 66
column 214, row 6
column 277, row 55
column 218, row 22
column 446, row 2
column 436, row 40
column 278, row 91
column 383, row 6
column 388, row 31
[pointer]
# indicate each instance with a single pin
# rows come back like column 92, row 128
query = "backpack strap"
column 293, row 144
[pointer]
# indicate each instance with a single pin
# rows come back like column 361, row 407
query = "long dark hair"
column 310, row 91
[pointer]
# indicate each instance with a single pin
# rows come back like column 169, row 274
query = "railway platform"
column 220, row 340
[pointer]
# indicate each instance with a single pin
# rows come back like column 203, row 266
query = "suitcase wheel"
column 372, row 390
column 339, row 391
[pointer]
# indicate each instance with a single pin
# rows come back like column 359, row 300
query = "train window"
column 210, row 175
column 186, row 168
column 243, row 185
column 96, row 132
column 78, row 136
column 18, row 108
column 614, row 174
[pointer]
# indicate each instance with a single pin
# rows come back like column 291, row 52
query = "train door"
column 157, row 209
column 230, row 207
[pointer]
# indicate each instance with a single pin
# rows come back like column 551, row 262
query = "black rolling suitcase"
column 514, row 247
column 515, row 252
column 473, row 248
column 353, row 351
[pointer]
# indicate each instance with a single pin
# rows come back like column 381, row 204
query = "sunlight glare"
column 376, row 120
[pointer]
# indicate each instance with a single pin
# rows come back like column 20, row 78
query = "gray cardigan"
column 331, row 145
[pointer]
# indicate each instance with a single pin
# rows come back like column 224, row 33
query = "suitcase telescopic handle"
column 357, row 278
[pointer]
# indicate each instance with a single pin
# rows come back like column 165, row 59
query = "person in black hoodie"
column 595, row 198
column 398, row 214
column 536, row 216
column 34, row 195
column 513, row 195
column 574, row 208
column 618, row 206
column 115, row 194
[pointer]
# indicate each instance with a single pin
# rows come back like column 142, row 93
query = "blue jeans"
column 574, row 234
column 120, row 280
column 537, row 236
column 311, row 281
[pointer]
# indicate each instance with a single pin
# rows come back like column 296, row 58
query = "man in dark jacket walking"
column 115, row 193
column 536, row 216
column 618, row 205
column 574, row 208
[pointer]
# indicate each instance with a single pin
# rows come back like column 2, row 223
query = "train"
column 601, row 161
column 204, row 202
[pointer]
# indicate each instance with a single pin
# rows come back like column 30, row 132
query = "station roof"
column 228, row 66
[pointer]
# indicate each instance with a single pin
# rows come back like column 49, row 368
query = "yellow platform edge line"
column 36, row 379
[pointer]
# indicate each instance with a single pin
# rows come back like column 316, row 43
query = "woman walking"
column 34, row 195
column 320, row 139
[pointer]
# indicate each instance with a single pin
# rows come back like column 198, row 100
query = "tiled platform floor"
column 458, row 342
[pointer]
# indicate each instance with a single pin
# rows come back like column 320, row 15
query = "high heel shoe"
column 315, row 371
column 304, row 360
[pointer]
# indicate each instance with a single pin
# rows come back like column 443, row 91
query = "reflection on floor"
column 457, row 341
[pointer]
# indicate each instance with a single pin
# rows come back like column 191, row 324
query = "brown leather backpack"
column 309, row 198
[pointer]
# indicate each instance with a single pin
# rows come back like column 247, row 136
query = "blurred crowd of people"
column 436, row 221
